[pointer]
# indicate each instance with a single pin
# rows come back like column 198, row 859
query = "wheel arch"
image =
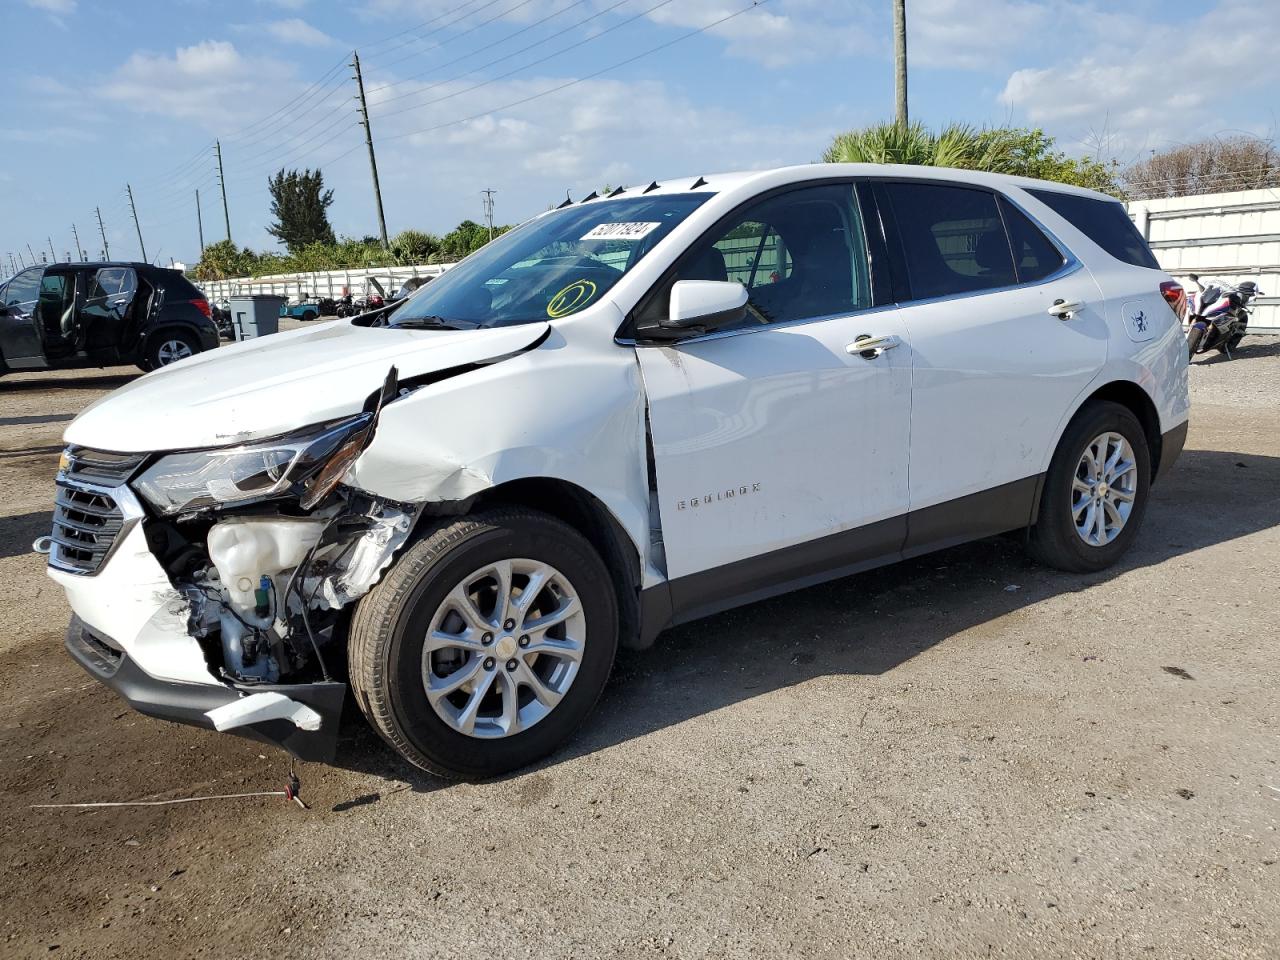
column 587, row 514
column 1133, row 397
column 154, row 333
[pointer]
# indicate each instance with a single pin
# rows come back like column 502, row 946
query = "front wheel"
column 487, row 644
column 1095, row 493
column 1194, row 336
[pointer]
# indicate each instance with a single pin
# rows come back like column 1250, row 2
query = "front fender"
column 570, row 410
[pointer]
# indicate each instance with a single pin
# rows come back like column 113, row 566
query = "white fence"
column 332, row 283
column 1232, row 236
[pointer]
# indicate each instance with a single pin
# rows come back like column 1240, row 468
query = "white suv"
column 627, row 413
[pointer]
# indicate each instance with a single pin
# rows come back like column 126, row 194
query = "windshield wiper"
column 432, row 323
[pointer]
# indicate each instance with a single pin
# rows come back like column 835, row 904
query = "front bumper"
column 191, row 703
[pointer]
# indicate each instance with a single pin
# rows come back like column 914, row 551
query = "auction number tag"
column 621, row 231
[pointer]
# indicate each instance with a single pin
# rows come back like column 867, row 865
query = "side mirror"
column 698, row 307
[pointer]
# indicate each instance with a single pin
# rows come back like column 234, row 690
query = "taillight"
column 202, row 305
column 1175, row 297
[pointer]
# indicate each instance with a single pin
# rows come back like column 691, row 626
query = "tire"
column 309, row 315
column 1055, row 539
column 168, row 346
column 390, row 625
column 1194, row 336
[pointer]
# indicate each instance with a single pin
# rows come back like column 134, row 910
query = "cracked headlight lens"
column 186, row 482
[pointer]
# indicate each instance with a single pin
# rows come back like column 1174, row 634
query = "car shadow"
column 17, row 533
column 1248, row 350
column 872, row 622
column 109, row 382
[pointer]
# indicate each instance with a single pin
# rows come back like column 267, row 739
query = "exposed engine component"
column 273, row 583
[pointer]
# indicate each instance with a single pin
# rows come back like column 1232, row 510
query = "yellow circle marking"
column 573, row 297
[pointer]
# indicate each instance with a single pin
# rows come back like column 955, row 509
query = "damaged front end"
column 261, row 552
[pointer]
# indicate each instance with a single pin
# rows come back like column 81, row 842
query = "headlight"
column 183, row 482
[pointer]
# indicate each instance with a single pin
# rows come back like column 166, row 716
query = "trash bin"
column 256, row 315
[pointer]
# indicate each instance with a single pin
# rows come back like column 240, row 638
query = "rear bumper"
column 190, row 703
column 1171, row 444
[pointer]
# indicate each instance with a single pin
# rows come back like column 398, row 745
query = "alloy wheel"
column 173, row 350
column 1104, row 489
column 503, row 648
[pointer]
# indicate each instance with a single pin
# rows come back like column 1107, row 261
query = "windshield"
column 550, row 267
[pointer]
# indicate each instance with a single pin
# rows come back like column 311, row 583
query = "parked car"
column 305, row 309
column 65, row 315
column 625, row 414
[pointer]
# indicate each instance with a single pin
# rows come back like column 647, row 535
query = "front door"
column 780, row 456
column 994, row 373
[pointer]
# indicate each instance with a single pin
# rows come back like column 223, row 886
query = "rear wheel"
column 309, row 315
column 486, row 645
column 1095, row 493
column 170, row 346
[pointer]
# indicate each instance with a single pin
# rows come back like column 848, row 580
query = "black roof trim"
column 700, row 182
column 652, row 186
column 568, row 202
column 591, row 196
column 618, row 191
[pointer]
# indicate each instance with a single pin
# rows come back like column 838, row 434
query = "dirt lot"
column 965, row 755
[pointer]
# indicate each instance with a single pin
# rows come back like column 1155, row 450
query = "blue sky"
column 104, row 92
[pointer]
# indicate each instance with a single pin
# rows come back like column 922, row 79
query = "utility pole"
column 488, row 208
column 106, row 250
column 51, row 251
column 33, row 254
column 222, row 182
column 79, row 250
column 199, row 222
column 137, row 225
column 900, row 60
column 368, row 139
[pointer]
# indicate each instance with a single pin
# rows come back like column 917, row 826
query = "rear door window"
column 1034, row 255
column 112, row 288
column 1105, row 222
column 951, row 239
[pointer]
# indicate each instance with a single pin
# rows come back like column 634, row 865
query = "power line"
column 590, row 76
column 471, row 29
column 551, row 56
column 509, row 56
column 472, row 53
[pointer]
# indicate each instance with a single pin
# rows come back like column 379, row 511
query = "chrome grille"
column 91, row 508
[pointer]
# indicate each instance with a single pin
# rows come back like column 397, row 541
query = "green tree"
column 1014, row 150
column 299, row 202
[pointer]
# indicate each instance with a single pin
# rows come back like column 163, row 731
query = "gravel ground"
column 964, row 755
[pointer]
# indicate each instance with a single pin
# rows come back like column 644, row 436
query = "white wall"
column 302, row 286
column 1234, row 236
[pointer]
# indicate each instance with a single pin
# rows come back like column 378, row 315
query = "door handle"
column 1065, row 309
column 869, row 347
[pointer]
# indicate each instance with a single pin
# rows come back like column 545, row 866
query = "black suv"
column 64, row 315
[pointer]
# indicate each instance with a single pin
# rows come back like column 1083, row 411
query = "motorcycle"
column 1218, row 315
column 346, row 306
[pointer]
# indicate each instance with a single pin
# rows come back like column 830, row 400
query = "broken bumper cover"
column 299, row 718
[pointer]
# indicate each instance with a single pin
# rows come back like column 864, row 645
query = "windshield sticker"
column 621, row 231
column 572, row 298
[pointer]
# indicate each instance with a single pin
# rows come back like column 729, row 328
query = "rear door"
column 109, row 297
column 18, row 337
column 993, row 372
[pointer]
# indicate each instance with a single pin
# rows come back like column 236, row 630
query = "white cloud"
column 971, row 36
column 297, row 31
column 210, row 83
column 53, row 6
column 1133, row 82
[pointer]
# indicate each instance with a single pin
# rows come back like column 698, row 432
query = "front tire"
column 1095, row 493
column 487, row 644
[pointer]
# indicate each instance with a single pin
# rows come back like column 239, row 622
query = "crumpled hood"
column 269, row 386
